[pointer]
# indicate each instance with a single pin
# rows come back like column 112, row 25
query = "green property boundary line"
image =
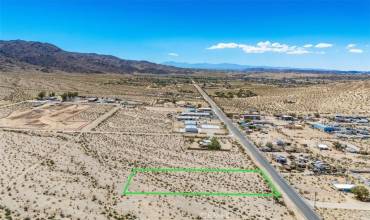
column 274, row 192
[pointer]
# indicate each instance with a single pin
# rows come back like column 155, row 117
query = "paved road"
column 305, row 209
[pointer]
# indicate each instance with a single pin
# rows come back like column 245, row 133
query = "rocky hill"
column 48, row 58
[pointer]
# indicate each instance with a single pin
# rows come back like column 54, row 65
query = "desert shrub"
column 41, row 95
column 339, row 146
column 214, row 145
column 269, row 145
column 243, row 93
column 361, row 193
column 69, row 95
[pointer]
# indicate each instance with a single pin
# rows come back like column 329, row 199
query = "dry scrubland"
column 137, row 120
column 83, row 176
column 343, row 214
column 352, row 97
column 16, row 87
column 200, row 182
column 80, row 175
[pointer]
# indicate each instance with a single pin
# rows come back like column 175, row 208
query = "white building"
column 344, row 187
column 322, row 146
column 191, row 128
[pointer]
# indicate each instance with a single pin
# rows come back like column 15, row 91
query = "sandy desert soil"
column 83, row 177
column 344, row 214
column 51, row 116
column 80, row 175
column 23, row 86
column 333, row 98
column 138, row 120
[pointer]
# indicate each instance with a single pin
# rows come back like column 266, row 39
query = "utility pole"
column 314, row 203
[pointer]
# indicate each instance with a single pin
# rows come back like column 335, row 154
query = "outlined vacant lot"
column 189, row 177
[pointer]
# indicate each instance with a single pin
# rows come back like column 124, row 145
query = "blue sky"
column 331, row 34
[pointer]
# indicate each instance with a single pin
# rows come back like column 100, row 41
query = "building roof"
column 207, row 126
column 322, row 146
column 343, row 185
column 191, row 127
column 195, row 114
column 190, row 122
column 187, row 117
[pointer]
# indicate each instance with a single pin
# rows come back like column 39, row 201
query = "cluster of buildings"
column 252, row 121
column 342, row 131
column 194, row 114
column 193, row 117
column 125, row 103
column 351, row 119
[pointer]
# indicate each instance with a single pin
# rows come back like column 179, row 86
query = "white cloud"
column 173, row 54
column 355, row 50
column 223, row 46
column 262, row 47
column 308, row 46
column 351, row 46
column 323, row 45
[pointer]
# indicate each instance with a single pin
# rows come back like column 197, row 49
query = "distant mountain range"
column 28, row 55
column 47, row 57
column 250, row 68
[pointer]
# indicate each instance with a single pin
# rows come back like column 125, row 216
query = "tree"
column 41, row 95
column 214, row 145
column 361, row 192
column 52, row 94
column 64, row 97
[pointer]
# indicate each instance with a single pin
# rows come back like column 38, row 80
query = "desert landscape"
column 76, row 174
column 72, row 159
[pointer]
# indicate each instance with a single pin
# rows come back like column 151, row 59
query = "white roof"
column 343, row 185
column 207, row 126
column 190, row 122
column 190, row 127
column 195, row 114
column 322, row 146
column 352, row 147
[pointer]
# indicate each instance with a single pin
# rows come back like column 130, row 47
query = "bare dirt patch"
column 50, row 116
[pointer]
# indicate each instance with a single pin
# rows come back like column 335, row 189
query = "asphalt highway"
column 305, row 209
